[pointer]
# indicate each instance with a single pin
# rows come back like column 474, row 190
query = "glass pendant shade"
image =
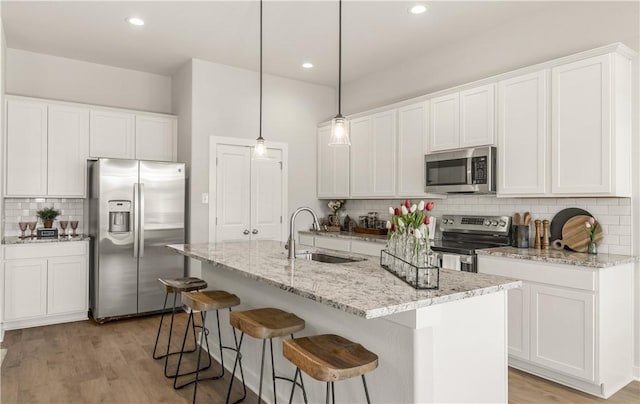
column 260, row 150
column 339, row 132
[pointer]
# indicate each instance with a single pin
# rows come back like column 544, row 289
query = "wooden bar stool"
column 266, row 323
column 175, row 286
column 329, row 358
column 203, row 302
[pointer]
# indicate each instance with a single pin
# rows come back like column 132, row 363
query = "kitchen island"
column 445, row 345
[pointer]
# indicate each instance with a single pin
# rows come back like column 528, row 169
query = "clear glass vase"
column 592, row 248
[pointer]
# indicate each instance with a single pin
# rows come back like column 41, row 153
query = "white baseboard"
column 636, row 373
column 47, row 320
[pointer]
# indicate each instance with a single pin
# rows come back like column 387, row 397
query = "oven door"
column 457, row 262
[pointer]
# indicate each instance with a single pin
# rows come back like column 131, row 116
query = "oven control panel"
column 475, row 223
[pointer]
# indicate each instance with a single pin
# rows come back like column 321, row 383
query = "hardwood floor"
column 84, row 362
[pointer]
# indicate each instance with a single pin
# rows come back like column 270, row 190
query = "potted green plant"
column 48, row 215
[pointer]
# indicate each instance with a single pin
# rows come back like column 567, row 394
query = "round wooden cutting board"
column 575, row 236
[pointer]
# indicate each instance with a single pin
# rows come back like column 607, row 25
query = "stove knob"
column 502, row 223
column 494, row 223
column 487, row 223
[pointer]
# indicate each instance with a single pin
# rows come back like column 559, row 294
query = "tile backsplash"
column 24, row 210
column 614, row 214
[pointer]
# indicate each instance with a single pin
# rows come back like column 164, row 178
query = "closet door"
column 233, row 193
column 266, row 197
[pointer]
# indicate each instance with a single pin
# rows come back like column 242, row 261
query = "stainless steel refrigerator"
column 136, row 208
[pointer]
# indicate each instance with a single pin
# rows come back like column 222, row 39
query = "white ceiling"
column 376, row 34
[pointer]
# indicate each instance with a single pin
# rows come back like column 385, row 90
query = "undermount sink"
column 326, row 258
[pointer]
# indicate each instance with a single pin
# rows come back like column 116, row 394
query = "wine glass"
column 23, row 227
column 74, row 226
column 63, row 226
column 32, row 227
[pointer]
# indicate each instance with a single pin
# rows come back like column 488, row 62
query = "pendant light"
column 339, row 124
column 260, row 150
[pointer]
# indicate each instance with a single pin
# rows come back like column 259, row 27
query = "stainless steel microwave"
column 462, row 171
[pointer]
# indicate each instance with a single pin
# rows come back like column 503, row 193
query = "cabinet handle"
column 246, row 232
column 255, row 231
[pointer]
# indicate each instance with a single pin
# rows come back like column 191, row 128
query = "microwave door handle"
column 469, row 176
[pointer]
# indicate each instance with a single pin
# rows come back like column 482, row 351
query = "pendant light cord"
column 340, row 57
column 260, row 129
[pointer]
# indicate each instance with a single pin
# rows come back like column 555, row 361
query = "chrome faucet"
column 291, row 243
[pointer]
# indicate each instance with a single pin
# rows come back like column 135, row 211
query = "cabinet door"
column 333, row 167
column 266, row 197
column 112, row 134
column 522, row 135
column 68, row 150
column 26, row 148
column 562, row 330
column 67, row 285
column 580, row 127
column 518, row 320
column 444, row 128
column 156, row 138
column 412, row 146
column 25, row 287
column 360, row 159
column 233, row 193
column 477, row 116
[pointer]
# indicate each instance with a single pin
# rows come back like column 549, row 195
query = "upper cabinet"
column 373, row 155
column 591, row 127
column 463, row 119
column 412, row 146
column 112, row 134
column 333, row 167
column 156, row 138
column 47, row 149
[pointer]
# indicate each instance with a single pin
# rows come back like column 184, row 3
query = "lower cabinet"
column 50, row 288
column 341, row 244
column 570, row 324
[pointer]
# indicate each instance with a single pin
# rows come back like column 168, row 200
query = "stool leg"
column 264, row 344
column 333, row 393
column 184, row 341
column 326, row 396
column 202, row 335
column 366, row 391
column 164, row 307
column 294, row 385
column 219, row 343
column 273, row 372
column 235, row 364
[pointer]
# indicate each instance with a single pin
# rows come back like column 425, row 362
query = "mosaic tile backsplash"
column 24, row 210
column 614, row 214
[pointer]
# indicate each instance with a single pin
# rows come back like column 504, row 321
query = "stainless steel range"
column 462, row 235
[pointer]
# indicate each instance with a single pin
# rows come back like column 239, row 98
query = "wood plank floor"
column 84, row 362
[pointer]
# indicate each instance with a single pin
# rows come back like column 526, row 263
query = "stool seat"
column 177, row 285
column 329, row 357
column 266, row 323
column 209, row 300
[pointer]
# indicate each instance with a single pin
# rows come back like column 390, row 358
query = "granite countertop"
column 347, row 235
column 17, row 240
column 361, row 288
column 560, row 256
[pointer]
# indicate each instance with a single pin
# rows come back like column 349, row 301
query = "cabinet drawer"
column 45, row 250
column 304, row 239
column 366, row 248
column 553, row 274
column 332, row 243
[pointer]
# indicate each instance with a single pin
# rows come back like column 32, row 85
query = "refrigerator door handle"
column 141, row 230
column 136, row 204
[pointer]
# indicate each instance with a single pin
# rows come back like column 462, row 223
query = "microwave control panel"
column 479, row 170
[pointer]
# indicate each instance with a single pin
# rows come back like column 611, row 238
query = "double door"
column 249, row 204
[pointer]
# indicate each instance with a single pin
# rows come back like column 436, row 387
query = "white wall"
column 39, row 75
column 560, row 30
column 225, row 103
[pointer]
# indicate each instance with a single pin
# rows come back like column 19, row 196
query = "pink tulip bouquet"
column 410, row 219
column 591, row 225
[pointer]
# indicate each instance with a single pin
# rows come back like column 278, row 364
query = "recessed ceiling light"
column 307, row 65
column 418, row 9
column 138, row 22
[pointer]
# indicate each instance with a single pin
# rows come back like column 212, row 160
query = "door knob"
column 255, row 231
column 246, row 232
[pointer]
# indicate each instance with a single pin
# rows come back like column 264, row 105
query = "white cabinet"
column 463, row 119
column 26, row 148
column 156, row 138
column 332, row 167
column 45, row 284
column 523, row 135
column 68, row 150
column 373, row 155
column 112, row 134
column 591, row 126
column 562, row 330
column 412, row 146
column 570, row 323
column 47, row 149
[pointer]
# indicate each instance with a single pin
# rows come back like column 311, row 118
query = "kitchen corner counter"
column 361, row 288
column 560, row 257
column 374, row 238
column 16, row 240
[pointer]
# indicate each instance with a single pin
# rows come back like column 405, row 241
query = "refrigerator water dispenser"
column 119, row 216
